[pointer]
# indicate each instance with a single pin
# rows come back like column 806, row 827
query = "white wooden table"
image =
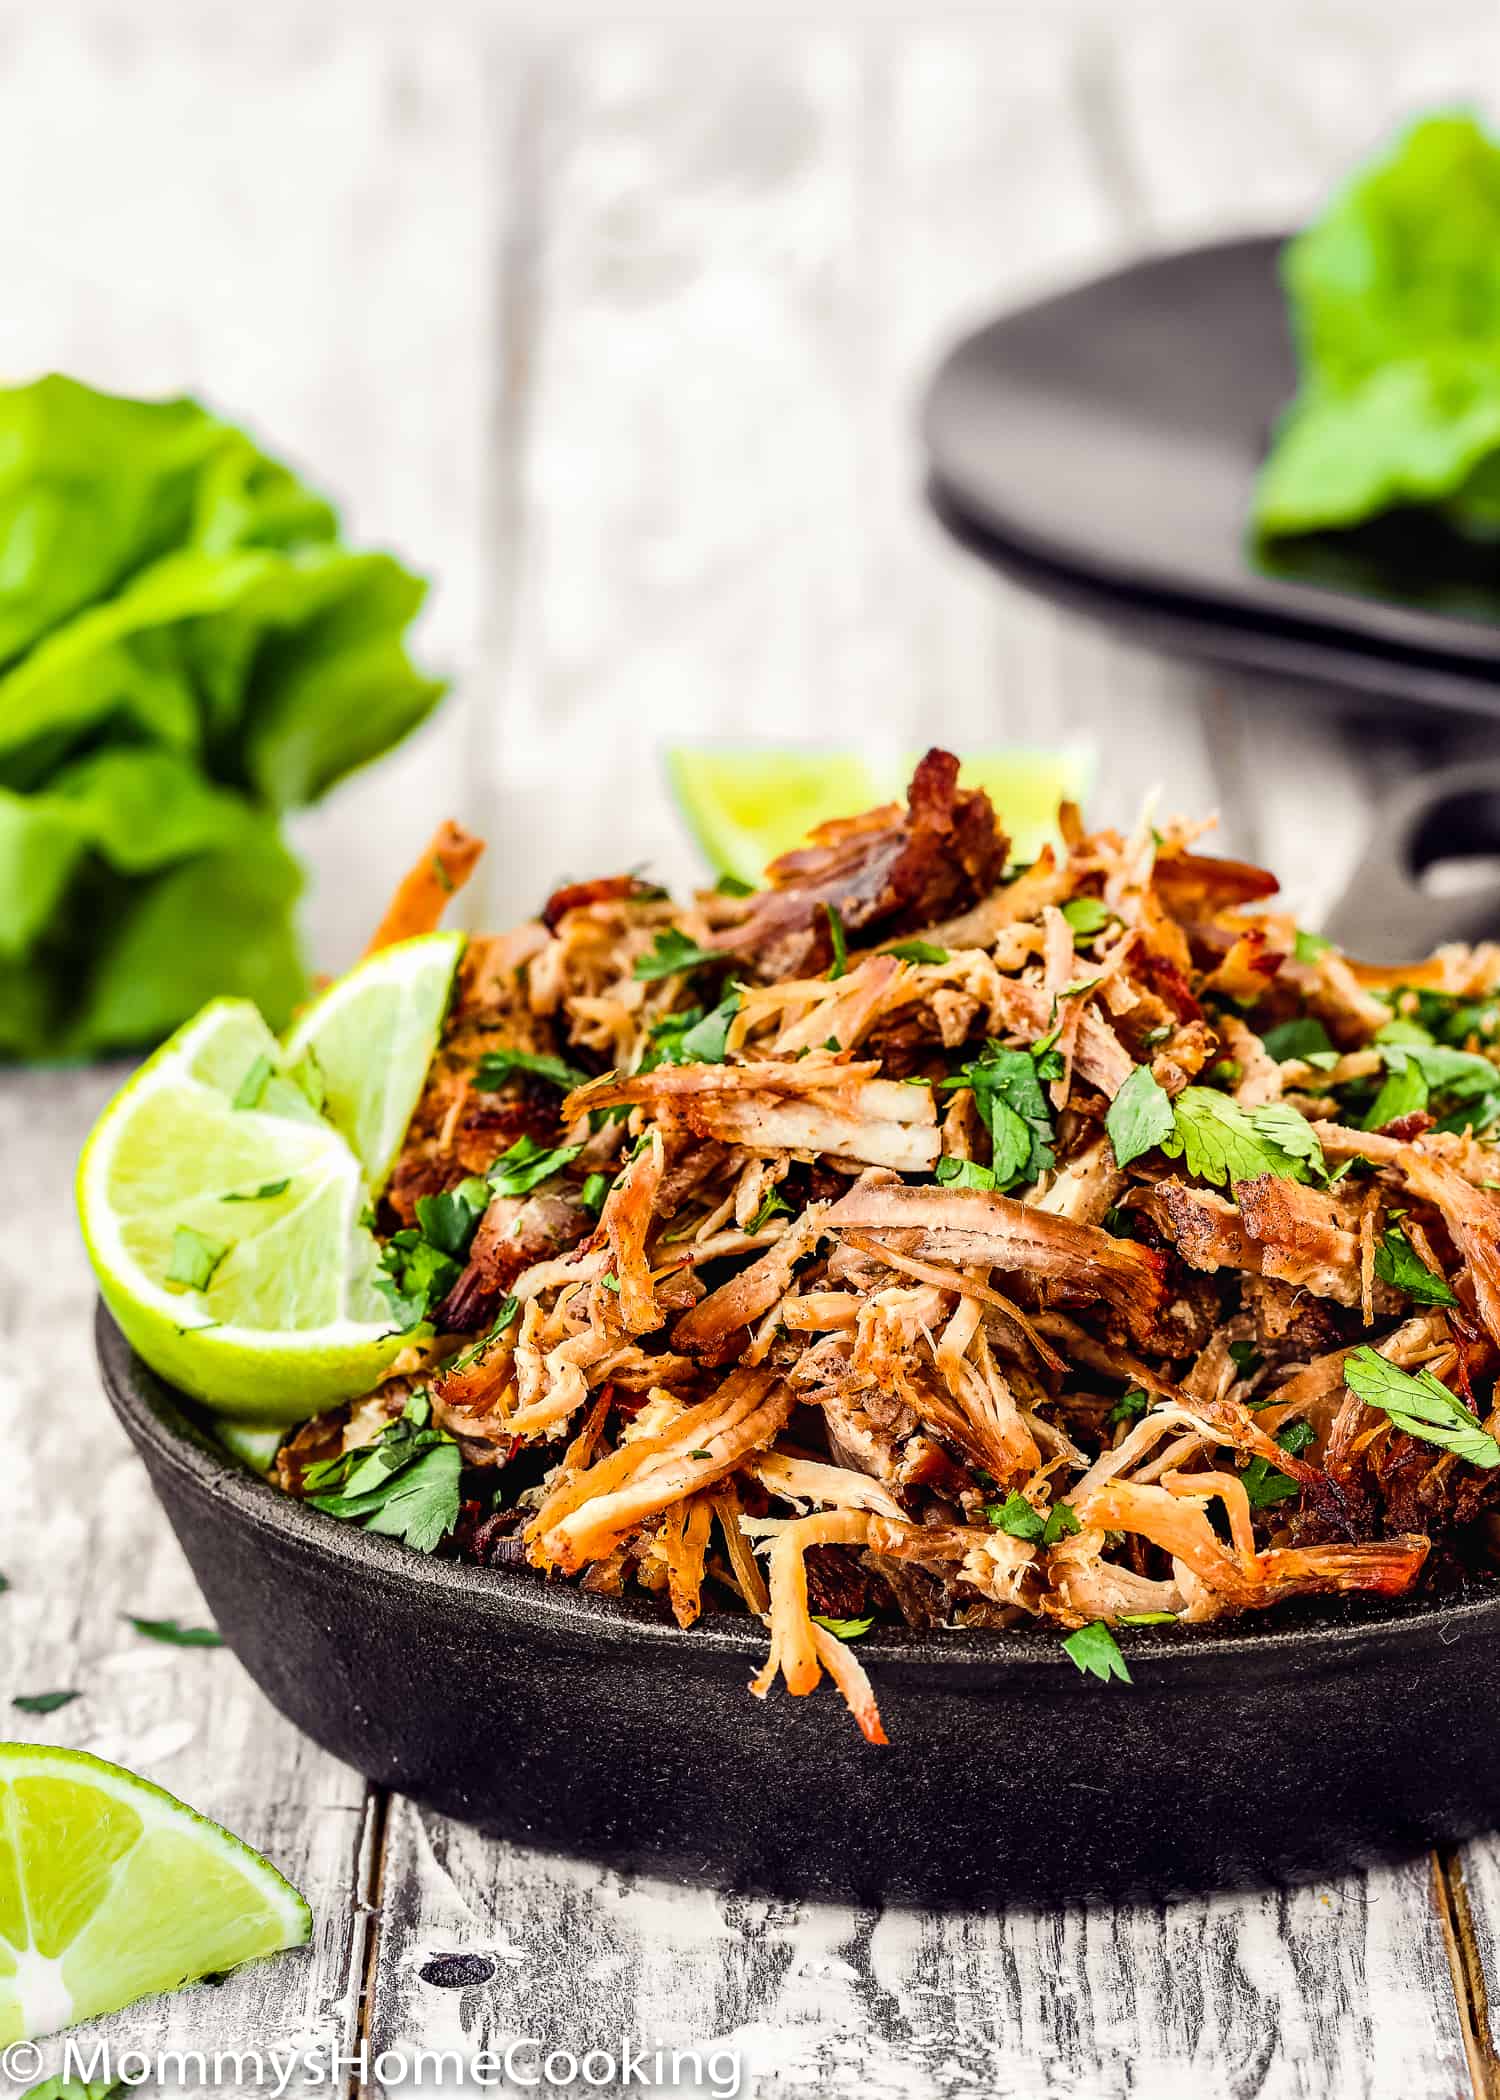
column 618, row 333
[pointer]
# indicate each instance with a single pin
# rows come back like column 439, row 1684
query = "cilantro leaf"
column 1220, row 1142
column 1140, row 1116
column 1130, row 1406
column 176, row 1634
column 405, row 1485
column 1264, row 1485
column 733, row 886
column 1147, row 1618
column 705, row 1043
column 916, row 952
column 43, row 1702
column 253, row 1085
column 843, row 1629
column 496, row 1066
column 1421, row 1405
column 1398, row 1262
column 1016, row 1516
column 1094, row 1650
column 1303, row 1038
column 517, row 1171
column 673, row 951
column 414, row 1277
column 1309, row 946
column 450, row 1219
column 194, row 1258
column 1007, row 1091
column 1087, row 916
column 266, row 1190
column 1403, row 1092
column 1062, row 1522
column 595, row 1188
column 968, row 1173
column 840, row 964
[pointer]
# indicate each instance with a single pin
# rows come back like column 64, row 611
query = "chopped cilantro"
column 1147, row 1618
column 194, row 1258
column 496, row 1066
column 1304, row 1039
column 965, row 1174
column 593, row 1192
column 706, row 1041
column 175, row 1633
column 1062, row 1522
column 1130, row 1406
column 404, row 1485
column 673, row 951
column 1016, row 1516
column 733, row 886
column 266, row 1190
column 449, row 1220
column 1398, row 1262
column 917, row 952
column 253, row 1085
column 1007, row 1091
column 517, row 1171
column 1421, row 1405
column 1263, row 1483
column 843, row 1629
column 1140, row 1116
column 840, row 964
column 440, row 874
column 1246, row 1358
column 1094, row 1650
column 1309, row 946
column 43, row 1702
column 1087, row 916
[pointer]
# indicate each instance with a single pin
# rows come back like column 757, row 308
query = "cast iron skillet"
column 1338, row 1735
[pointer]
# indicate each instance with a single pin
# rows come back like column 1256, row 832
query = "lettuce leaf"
column 1395, row 303
column 186, row 651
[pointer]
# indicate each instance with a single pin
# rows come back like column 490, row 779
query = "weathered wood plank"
column 295, row 223
column 1322, row 1991
column 85, row 1545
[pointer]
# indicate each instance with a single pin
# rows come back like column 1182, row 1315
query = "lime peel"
column 111, row 1888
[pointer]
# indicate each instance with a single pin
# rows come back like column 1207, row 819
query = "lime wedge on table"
column 747, row 803
column 369, row 1040
column 262, row 1203
column 110, row 1889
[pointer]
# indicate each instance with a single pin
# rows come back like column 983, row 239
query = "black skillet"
column 1278, row 1747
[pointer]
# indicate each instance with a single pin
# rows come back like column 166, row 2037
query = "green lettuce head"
column 186, row 651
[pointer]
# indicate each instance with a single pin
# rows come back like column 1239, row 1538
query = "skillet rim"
column 1027, row 1659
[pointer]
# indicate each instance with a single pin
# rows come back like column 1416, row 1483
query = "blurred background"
column 616, row 329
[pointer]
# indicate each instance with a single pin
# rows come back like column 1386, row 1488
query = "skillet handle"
column 1386, row 914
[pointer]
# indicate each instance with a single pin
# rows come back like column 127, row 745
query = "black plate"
column 1250, row 1753
column 1114, row 433
column 1388, row 679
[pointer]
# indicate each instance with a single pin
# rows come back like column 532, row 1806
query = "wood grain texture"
column 297, row 224
column 92, row 1548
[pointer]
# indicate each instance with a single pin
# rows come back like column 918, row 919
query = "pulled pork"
column 917, row 1239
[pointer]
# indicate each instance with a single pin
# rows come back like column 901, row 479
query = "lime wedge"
column 746, row 803
column 364, row 1047
column 110, row 1889
column 222, row 1217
